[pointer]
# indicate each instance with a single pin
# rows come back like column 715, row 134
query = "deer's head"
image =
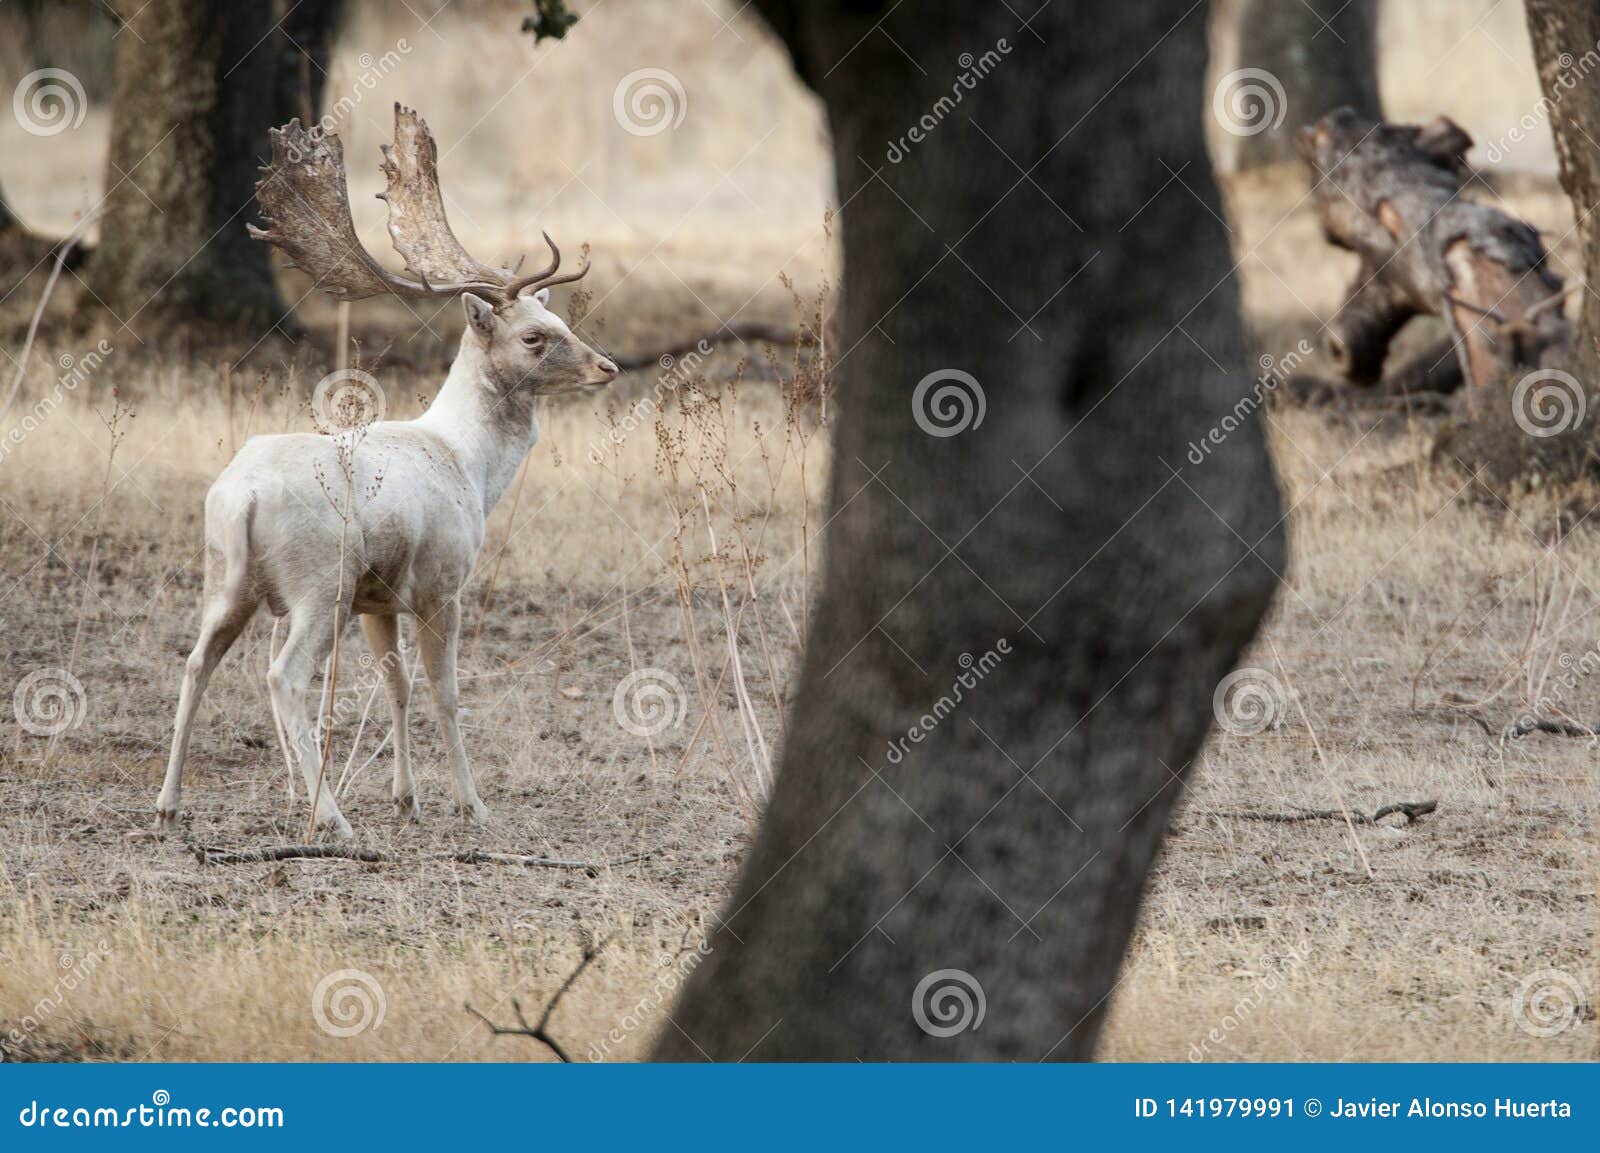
column 306, row 207
column 526, row 346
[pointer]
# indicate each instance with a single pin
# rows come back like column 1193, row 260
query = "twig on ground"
column 1411, row 810
column 1544, row 725
column 539, row 1032
column 478, row 857
column 213, row 856
column 208, row 855
column 1456, row 713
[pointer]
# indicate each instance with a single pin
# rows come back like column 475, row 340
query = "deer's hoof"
column 406, row 808
column 336, row 827
column 476, row 812
column 166, row 822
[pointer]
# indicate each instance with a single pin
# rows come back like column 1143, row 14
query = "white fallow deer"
column 422, row 488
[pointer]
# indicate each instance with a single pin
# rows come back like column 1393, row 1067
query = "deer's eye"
column 533, row 340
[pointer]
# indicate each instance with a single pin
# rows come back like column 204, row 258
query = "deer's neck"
column 490, row 430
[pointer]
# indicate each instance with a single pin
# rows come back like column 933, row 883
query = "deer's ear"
column 480, row 314
column 542, row 296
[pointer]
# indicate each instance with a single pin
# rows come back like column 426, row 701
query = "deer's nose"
column 608, row 367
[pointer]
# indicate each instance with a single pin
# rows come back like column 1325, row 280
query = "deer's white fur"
column 422, row 491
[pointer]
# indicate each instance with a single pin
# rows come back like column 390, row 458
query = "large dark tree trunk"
column 1034, row 238
column 198, row 83
column 1322, row 53
column 1573, row 27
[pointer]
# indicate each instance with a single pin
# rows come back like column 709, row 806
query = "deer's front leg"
column 382, row 631
column 437, row 635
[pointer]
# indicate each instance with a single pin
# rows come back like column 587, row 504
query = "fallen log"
column 1392, row 194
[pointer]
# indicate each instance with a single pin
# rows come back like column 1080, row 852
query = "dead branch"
column 207, row 855
column 539, row 1032
column 1411, row 810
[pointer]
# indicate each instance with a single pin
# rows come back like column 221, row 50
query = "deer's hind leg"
column 228, row 608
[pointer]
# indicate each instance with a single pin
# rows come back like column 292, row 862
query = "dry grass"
column 588, row 583
column 1412, row 606
column 1406, row 597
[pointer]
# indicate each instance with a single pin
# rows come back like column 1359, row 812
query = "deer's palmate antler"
column 306, row 208
column 418, row 492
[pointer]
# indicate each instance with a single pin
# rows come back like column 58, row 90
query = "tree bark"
column 198, row 83
column 1572, row 27
column 1047, row 553
column 1322, row 52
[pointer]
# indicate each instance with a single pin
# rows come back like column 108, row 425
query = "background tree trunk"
column 196, row 90
column 1573, row 26
column 76, row 36
column 309, row 30
column 1068, row 532
column 1322, row 52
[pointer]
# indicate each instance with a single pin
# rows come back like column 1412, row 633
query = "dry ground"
column 1419, row 618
